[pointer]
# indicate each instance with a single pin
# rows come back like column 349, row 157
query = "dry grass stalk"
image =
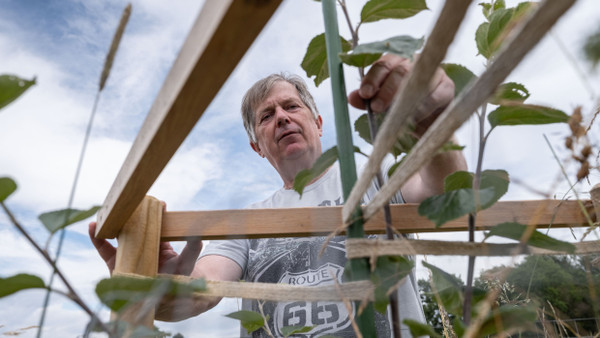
column 114, row 46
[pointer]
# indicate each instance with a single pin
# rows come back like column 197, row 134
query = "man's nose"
column 282, row 117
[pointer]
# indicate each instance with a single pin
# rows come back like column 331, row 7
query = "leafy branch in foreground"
column 467, row 193
column 11, row 87
column 22, row 281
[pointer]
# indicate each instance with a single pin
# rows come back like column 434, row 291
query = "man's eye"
column 265, row 117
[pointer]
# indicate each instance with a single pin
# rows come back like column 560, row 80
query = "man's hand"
column 388, row 76
column 168, row 260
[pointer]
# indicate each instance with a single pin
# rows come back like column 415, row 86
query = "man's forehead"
column 281, row 90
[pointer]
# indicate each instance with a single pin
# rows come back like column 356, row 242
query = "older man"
column 284, row 126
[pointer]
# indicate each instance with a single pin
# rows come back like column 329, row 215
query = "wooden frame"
column 253, row 223
column 219, row 38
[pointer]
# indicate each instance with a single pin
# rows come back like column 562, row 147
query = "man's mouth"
column 285, row 134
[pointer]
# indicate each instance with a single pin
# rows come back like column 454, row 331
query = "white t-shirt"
column 297, row 261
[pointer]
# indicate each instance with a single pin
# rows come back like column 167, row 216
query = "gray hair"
column 258, row 92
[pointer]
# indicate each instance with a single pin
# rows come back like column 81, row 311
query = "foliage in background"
column 559, row 281
column 591, row 48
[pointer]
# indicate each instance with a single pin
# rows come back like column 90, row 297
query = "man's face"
column 285, row 128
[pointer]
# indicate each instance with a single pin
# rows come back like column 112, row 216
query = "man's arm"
column 210, row 267
column 384, row 79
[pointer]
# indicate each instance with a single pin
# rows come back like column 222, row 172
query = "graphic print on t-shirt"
column 330, row 317
column 297, row 262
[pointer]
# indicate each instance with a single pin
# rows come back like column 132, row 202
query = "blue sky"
column 63, row 44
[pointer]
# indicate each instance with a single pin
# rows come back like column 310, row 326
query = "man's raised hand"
column 388, row 75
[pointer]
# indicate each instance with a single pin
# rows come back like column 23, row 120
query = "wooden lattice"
column 218, row 39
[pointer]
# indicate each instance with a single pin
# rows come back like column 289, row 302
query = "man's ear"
column 319, row 122
column 256, row 148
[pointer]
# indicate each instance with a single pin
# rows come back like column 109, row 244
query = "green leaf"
column 418, row 329
column 488, row 10
column 359, row 59
column 519, row 114
column 119, row 291
column 482, row 41
column 11, row 87
column 458, row 198
column 459, row 74
column 447, row 288
column 448, row 206
column 502, row 20
column 365, row 54
column 510, row 91
column 118, row 327
column 56, row 220
column 459, row 327
column 485, row 9
column 499, row 4
column 515, row 231
column 390, row 270
column 510, row 316
column 22, row 281
column 499, row 20
column 290, row 330
column 591, row 48
column 250, row 320
column 326, row 160
column 394, row 167
column 458, row 180
column 315, row 59
column 375, row 10
column 498, row 181
column 451, row 146
column 7, row 187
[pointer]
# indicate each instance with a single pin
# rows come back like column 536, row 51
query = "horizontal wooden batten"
column 299, row 222
column 221, row 35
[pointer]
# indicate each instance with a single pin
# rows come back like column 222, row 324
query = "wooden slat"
column 357, row 248
column 139, row 241
column 298, row 222
column 219, row 38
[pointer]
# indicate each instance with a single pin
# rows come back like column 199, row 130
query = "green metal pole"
column 359, row 268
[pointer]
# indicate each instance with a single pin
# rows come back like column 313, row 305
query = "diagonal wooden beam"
column 221, row 35
column 299, row 222
column 518, row 44
column 405, row 105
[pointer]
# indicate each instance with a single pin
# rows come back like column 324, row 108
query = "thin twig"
column 72, row 294
column 103, row 77
column 347, row 304
column 262, row 313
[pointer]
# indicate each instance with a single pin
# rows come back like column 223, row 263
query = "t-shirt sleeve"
column 234, row 249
